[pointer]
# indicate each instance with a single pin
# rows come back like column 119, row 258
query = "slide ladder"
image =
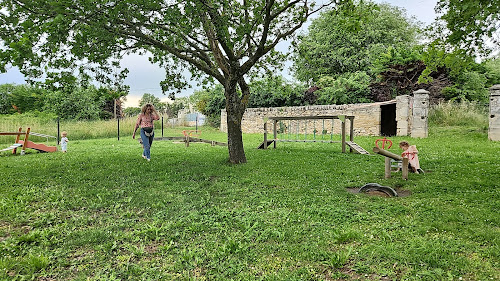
column 14, row 146
column 356, row 147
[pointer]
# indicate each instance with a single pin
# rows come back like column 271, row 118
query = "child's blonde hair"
column 64, row 133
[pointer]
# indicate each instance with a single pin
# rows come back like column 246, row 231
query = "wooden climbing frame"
column 342, row 118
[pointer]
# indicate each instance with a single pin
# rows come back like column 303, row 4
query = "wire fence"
column 82, row 129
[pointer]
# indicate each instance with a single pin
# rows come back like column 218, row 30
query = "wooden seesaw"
column 388, row 156
column 23, row 144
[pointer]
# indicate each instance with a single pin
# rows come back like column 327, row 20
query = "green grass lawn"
column 101, row 212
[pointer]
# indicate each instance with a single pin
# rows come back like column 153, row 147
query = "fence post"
column 162, row 126
column 58, row 130
column 118, row 121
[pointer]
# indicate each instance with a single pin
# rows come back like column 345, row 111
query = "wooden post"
column 187, row 140
column 265, row 135
column 58, row 130
column 343, row 135
column 387, row 167
column 351, row 131
column 275, row 132
column 118, row 127
column 17, row 140
column 405, row 168
column 25, row 143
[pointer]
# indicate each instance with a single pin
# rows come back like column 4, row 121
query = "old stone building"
column 404, row 116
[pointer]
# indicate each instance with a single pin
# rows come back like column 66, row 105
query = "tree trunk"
column 235, row 109
column 235, row 141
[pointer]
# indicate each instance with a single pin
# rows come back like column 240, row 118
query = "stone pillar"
column 420, row 114
column 223, row 120
column 494, row 118
column 403, row 115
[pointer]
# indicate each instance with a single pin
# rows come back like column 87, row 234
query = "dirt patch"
column 401, row 192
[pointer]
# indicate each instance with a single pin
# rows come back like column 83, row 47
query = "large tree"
column 348, row 39
column 221, row 39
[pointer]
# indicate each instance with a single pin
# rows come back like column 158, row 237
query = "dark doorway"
column 388, row 125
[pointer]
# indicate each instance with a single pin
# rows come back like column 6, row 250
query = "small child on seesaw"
column 64, row 142
column 411, row 152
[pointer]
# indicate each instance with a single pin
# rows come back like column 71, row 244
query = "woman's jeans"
column 146, row 143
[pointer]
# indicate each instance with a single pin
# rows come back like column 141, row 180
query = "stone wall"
column 367, row 121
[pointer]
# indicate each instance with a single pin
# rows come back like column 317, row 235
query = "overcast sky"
column 145, row 77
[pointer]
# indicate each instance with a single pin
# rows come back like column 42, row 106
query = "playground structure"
column 388, row 156
column 324, row 136
column 23, row 144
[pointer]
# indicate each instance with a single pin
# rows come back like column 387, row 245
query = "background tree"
column 493, row 68
column 79, row 104
column 223, row 40
column 350, row 38
column 210, row 101
column 275, row 91
column 172, row 109
column 131, row 111
column 149, row 98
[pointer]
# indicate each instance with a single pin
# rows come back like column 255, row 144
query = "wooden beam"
column 387, row 153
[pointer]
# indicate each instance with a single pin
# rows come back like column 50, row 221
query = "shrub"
column 80, row 104
column 469, row 86
column 350, row 88
column 462, row 113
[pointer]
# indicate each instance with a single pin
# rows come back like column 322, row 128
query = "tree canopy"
column 224, row 40
column 471, row 23
column 348, row 39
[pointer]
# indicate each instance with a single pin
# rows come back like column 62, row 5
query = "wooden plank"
column 208, row 141
column 356, row 147
column 167, row 138
column 16, row 145
column 11, row 133
column 387, row 153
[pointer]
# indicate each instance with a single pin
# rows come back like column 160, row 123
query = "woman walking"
column 145, row 121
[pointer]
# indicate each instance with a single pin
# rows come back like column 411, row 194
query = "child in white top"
column 64, row 142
